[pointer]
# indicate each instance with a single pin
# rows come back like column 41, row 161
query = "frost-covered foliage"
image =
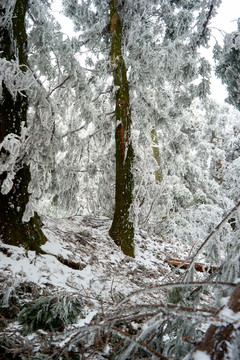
column 227, row 69
column 70, row 139
column 50, row 313
column 174, row 333
column 198, row 140
column 199, row 183
column 52, row 60
column 165, row 73
column 13, row 150
column 52, row 105
column 15, row 80
column 69, row 143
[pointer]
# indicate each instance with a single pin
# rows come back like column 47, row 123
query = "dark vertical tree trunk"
column 13, row 112
column 122, row 230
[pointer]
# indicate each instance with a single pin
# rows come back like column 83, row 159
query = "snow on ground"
column 81, row 258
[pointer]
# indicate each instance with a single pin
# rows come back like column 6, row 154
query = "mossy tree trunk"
column 156, row 155
column 122, row 229
column 13, row 112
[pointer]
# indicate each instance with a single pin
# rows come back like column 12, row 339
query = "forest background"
column 130, row 140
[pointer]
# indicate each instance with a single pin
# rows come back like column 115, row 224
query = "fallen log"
column 185, row 265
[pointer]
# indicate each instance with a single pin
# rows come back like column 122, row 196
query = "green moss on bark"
column 122, row 229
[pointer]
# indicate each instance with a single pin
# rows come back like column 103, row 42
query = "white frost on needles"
column 12, row 145
column 15, row 80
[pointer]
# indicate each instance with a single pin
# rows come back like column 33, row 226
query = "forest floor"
column 81, row 261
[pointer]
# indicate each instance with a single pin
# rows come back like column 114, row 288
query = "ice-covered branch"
column 172, row 285
column 222, row 222
column 57, row 87
column 142, row 345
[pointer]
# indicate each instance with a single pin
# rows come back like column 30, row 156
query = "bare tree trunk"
column 13, row 112
column 122, row 230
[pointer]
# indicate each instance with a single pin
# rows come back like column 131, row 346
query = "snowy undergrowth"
column 105, row 274
column 80, row 261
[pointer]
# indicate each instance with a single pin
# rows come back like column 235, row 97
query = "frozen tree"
column 150, row 49
column 35, row 66
column 57, row 114
column 200, row 186
column 122, row 230
column 227, row 68
column 14, row 171
column 142, row 59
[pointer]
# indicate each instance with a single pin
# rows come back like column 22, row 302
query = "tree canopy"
column 116, row 123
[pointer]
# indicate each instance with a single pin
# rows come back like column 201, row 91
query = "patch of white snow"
column 200, row 355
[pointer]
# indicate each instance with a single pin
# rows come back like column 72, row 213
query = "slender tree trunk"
column 122, row 230
column 13, row 112
column 156, row 155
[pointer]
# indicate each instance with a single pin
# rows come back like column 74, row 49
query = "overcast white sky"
column 228, row 13
column 226, row 21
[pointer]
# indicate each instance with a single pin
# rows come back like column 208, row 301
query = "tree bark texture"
column 13, row 112
column 220, row 339
column 122, row 229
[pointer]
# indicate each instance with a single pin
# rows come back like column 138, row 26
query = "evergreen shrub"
column 50, row 313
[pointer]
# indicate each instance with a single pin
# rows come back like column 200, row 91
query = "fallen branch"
column 143, row 310
column 172, row 285
column 198, row 266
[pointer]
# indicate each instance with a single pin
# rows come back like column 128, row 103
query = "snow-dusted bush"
column 50, row 313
